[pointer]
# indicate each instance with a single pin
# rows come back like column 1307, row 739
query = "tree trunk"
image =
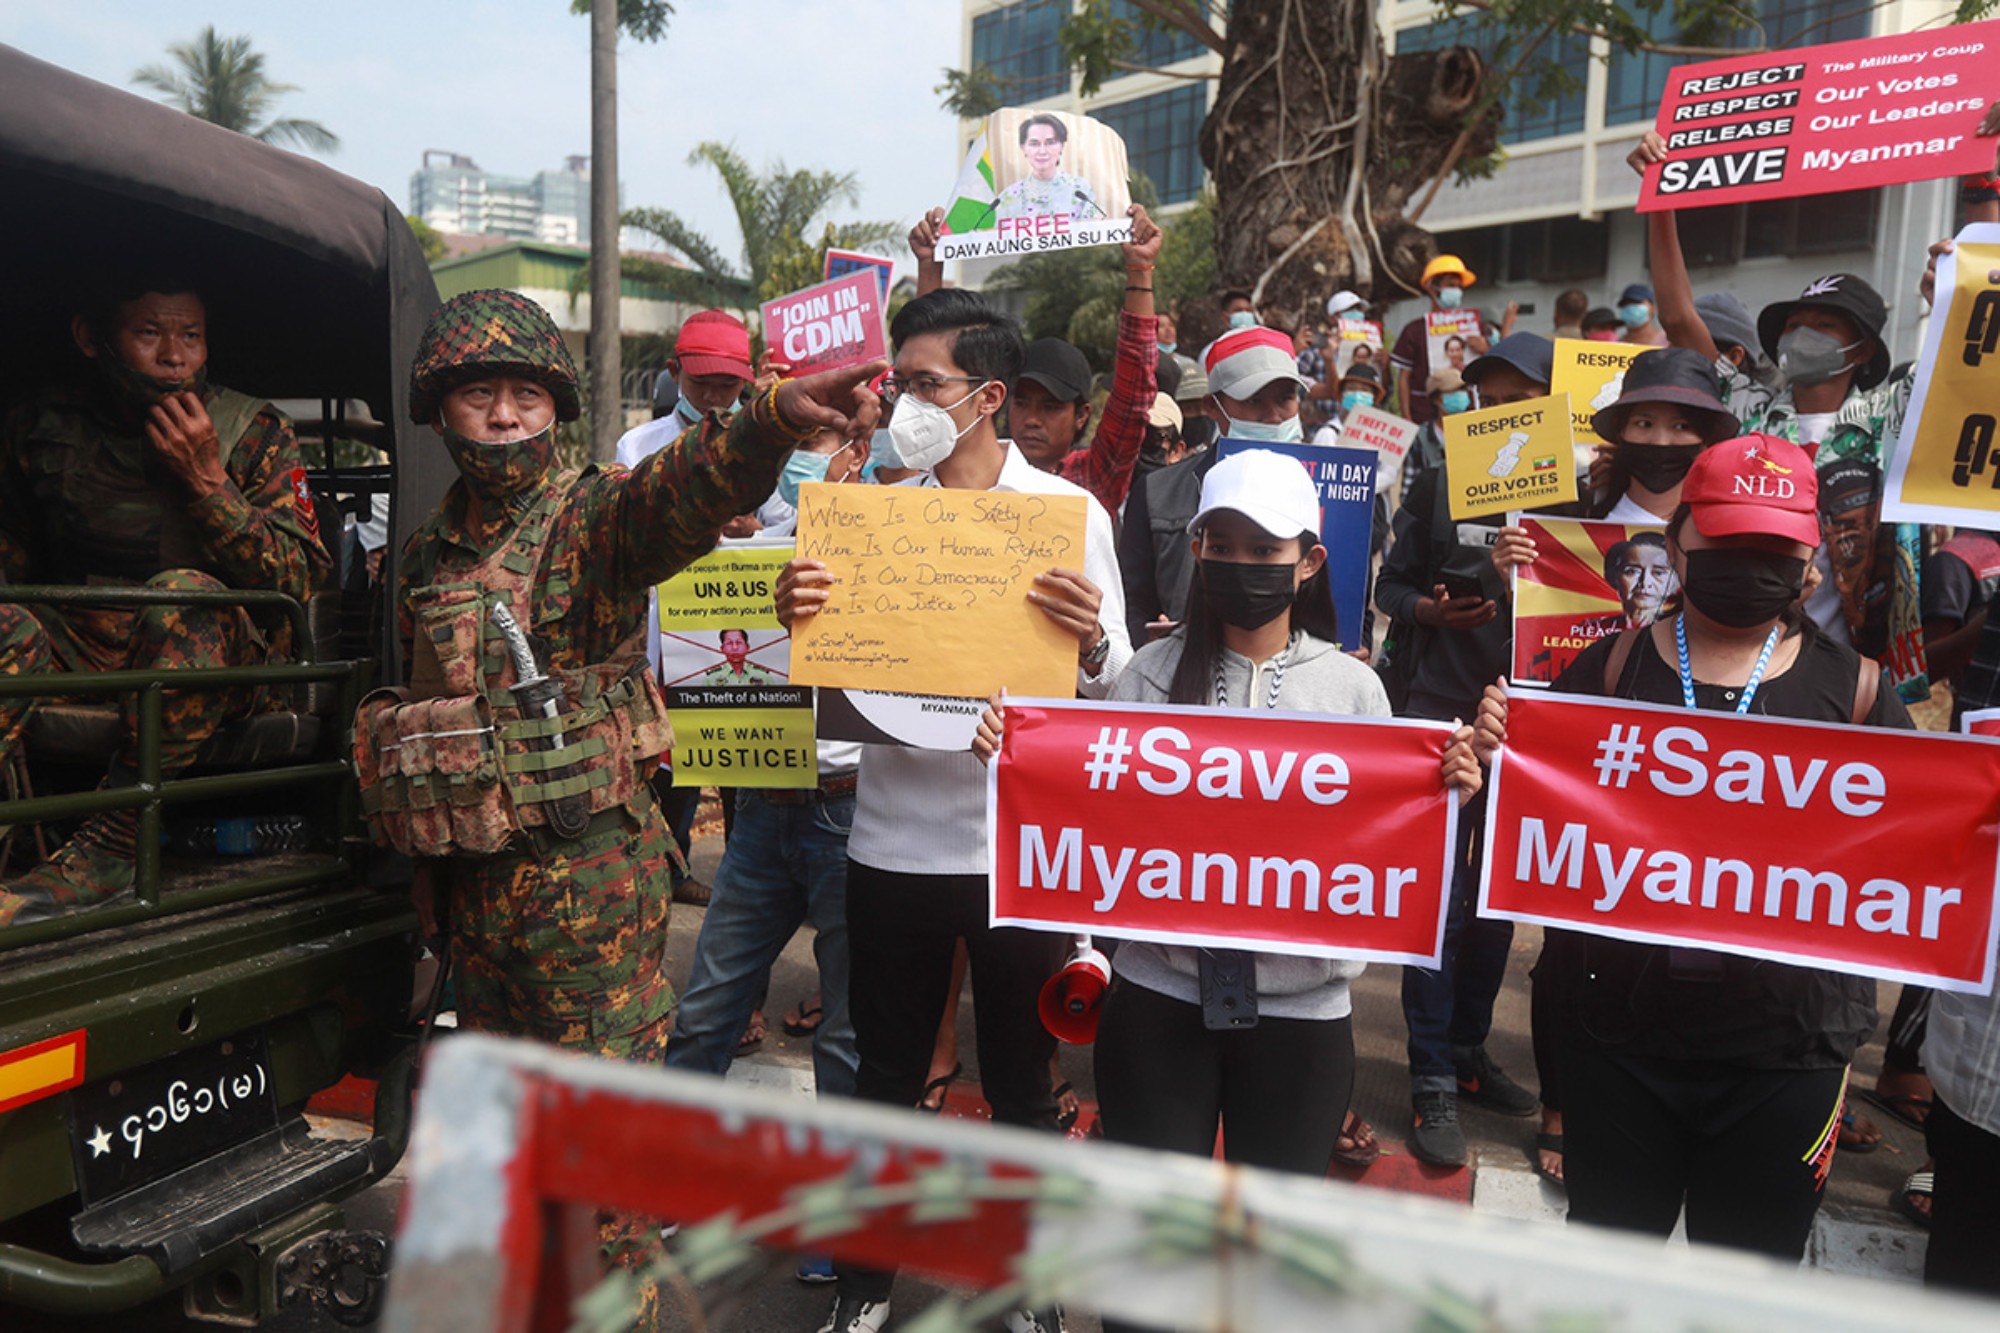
column 602, row 348
column 1317, row 144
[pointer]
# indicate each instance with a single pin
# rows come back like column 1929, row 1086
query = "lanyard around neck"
column 1756, row 672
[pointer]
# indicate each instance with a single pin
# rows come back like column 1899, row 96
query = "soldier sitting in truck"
column 140, row 472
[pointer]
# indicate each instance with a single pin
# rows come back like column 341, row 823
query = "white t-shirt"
column 923, row 812
column 1628, row 510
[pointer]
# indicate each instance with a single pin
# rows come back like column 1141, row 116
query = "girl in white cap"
column 1259, row 633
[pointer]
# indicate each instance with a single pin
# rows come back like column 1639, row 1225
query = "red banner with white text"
column 1280, row 832
column 1855, row 849
column 1812, row 120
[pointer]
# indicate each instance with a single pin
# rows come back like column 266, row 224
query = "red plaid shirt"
column 1105, row 468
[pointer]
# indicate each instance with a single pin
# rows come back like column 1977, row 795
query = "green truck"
column 156, row 1055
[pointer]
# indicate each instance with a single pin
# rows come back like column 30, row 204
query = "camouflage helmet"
column 486, row 332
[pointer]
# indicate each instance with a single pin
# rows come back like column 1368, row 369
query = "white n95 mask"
column 922, row 432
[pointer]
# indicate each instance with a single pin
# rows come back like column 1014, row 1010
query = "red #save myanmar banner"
column 1848, row 116
column 1849, row 848
column 1281, row 832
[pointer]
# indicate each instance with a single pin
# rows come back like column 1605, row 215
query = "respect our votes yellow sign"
column 1592, row 374
column 1514, row 456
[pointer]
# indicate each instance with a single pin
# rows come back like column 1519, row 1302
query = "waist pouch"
column 459, row 774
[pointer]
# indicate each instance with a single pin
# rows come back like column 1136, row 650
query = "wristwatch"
column 1095, row 655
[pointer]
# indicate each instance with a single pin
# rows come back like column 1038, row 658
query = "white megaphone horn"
column 1073, row 997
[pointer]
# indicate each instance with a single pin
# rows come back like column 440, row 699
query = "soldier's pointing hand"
column 834, row 400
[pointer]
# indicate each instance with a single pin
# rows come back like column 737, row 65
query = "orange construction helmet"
column 1447, row 264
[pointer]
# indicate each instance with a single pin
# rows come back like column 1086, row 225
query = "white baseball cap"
column 1242, row 361
column 1271, row 489
column 1340, row 301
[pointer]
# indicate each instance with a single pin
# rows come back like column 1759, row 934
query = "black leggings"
column 1278, row 1091
column 1747, row 1150
column 1965, row 1228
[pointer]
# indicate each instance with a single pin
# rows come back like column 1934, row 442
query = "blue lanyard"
column 1756, row 672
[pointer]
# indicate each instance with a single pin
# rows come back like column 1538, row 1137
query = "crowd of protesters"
column 1671, row 1081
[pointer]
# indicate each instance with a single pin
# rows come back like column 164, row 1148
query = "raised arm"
column 1673, row 294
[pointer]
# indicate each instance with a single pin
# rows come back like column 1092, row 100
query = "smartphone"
column 1525, row 308
column 1458, row 586
column 1227, row 979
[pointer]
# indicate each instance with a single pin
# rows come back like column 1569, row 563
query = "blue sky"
column 842, row 87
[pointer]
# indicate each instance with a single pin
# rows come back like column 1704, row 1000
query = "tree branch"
column 1197, row 77
column 1185, row 17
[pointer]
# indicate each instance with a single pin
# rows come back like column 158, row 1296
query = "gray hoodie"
column 1319, row 678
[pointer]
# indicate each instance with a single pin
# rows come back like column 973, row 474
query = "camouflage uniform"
column 563, row 940
column 84, row 498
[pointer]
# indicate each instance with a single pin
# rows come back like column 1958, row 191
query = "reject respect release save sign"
column 1278, row 832
column 1847, row 116
column 1855, row 849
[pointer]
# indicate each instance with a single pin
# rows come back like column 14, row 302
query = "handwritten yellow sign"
column 1515, row 456
column 1946, row 467
column 931, row 591
column 1593, row 375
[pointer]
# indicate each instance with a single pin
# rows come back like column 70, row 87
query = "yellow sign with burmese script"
column 1946, row 466
column 1593, row 375
column 1515, row 456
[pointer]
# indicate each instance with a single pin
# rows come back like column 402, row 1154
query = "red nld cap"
column 1754, row 484
column 1236, row 340
column 713, row 343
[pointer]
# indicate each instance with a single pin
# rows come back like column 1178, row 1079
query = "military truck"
column 155, row 1055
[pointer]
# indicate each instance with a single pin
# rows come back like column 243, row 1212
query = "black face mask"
column 1741, row 587
column 1247, row 596
column 1657, row 467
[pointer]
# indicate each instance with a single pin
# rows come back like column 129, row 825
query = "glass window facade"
column 1019, row 44
column 1636, row 81
column 1155, row 47
column 1527, row 117
column 1162, row 136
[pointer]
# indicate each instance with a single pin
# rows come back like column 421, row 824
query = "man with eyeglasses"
column 917, row 855
column 1049, row 410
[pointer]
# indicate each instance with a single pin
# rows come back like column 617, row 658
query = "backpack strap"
column 1867, row 686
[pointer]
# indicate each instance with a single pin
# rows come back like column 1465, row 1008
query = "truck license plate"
column 135, row 1127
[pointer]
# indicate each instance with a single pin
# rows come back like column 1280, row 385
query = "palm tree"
column 222, row 81
column 774, row 209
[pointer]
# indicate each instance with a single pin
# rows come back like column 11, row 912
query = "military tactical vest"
column 451, row 765
column 108, row 505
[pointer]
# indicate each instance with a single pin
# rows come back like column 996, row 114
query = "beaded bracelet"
column 767, row 406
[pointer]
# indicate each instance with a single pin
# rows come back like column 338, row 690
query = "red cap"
column 1754, row 484
column 712, row 343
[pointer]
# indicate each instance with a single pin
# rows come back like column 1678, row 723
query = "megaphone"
column 1073, row 997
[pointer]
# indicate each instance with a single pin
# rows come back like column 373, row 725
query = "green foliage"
column 797, row 263
column 427, row 237
column 972, row 94
column 642, row 20
column 1186, row 266
column 221, row 80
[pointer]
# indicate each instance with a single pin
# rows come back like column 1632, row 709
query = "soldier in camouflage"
column 557, row 938
column 141, row 472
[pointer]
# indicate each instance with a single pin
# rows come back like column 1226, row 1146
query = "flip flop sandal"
column 805, row 1018
column 1066, row 1120
column 1920, row 1182
column 939, row 1086
column 1366, row 1146
column 1548, row 1143
column 1901, row 1106
column 1852, row 1135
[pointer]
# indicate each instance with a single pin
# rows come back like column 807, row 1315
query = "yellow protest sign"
column 1515, row 456
column 1946, row 466
column 725, row 667
column 1593, row 375
column 932, row 589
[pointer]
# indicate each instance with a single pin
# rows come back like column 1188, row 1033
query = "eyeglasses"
column 925, row 387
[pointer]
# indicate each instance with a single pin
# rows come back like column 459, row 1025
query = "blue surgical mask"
column 1243, row 319
column 1167, row 349
column 1354, row 398
column 1449, row 298
column 800, row 468
column 1634, row 313
column 1458, row 400
column 881, row 453
column 1355, row 313
column 1282, row 432
column 687, row 412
